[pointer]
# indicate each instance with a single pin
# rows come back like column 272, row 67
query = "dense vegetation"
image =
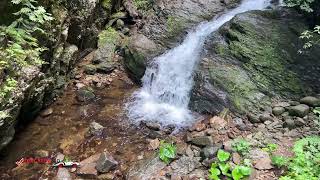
column 19, row 45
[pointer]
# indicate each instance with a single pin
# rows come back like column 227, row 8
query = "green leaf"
column 236, row 173
column 246, row 171
column 223, row 155
column 224, row 168
column 214, row 172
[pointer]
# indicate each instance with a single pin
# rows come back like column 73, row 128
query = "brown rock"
column 154, row 144
column 88, row 166
column 236, row 158
column 218, row 123
column 263, row 164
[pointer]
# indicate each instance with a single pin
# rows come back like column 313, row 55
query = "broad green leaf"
column 223, row 155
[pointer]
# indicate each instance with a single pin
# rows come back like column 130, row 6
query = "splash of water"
column 167, row 82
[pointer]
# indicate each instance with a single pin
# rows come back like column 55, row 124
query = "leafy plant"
column 270, row 148
column 223, row 155
column 279, row 161
column 222, row 167
column 241, row 146
column 305, row 5
column 306, row 162
column 18, row 45
column 167, row 151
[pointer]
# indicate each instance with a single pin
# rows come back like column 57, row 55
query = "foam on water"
column 165, row 94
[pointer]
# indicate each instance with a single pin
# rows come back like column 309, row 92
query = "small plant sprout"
column 167, row 151
column 270, row 148
column 241, row 146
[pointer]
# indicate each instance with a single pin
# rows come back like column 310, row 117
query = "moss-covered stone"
column 253, row 59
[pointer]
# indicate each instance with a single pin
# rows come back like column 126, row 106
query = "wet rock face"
column 165, row 27
column 252, row 59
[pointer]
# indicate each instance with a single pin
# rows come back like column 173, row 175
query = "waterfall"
column 167, row 83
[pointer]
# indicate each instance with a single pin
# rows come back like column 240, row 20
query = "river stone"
column 311, row 101
column 119, row 24
column 263, row 164
column 95, row 129
column 210, row 151
column 253, row 118
column 202, row 141
column 153, row 125
column 106, row 67
column 106, row 163
column 277, row 111
column 300, row 110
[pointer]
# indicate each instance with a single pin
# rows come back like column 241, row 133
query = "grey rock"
column 289, row 123
column 210, row 151
column 277, row 111
column 105, row 67
column 294, row 103
column 265, row 117
column 145, row 169
column 42, row 153
column 240, row 124
column 311, row 101
column 185, row 165
column 63, row 174
column 106, row 163
column 299, row 122
column 153, row 125
column 95, row 129
column 300, row 110
column 119, row 24
column 202, row 141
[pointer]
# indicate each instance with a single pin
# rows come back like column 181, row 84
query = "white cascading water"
column 167, row 82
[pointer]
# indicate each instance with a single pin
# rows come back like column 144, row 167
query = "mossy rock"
column 255, row 58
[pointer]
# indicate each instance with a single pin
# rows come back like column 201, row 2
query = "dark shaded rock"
column 289, row 123
column 299, row 122
column 253, row 118
column 153, row 125
column 202, row 141
column 300, row 110
column 311, row 101
column 210, row 151
column 277, row 111
column 105, row 163
column 85, row 94
column 265, row 117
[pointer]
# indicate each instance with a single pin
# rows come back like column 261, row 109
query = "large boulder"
column 252, row 59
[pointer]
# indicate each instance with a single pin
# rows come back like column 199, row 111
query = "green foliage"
column 167, row 151
column 109, row 36
column 306, row 162
column 316, row 111
column 304, row 5
column 279, row 161
column 222, row 167
column 241, row 146
column 18, row 45
column 143, row 4
column 270, row 148
column 223, row 155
